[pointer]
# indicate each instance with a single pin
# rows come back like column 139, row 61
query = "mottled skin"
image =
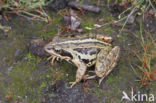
column 85, row 52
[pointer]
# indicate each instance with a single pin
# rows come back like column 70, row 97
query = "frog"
column 84, row 52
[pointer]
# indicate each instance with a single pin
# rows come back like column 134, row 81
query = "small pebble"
column 17, row 53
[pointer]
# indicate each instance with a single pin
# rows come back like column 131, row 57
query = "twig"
column 152, row 5
column 33, row 15
column 130, row 31
column 109, row 23
column 133, row 10
column 125, row 11
column 134, row 70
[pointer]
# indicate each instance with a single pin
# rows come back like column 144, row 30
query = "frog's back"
column 85, row 42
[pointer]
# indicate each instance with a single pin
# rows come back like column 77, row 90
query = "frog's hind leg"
column 80, row 72
column 106, row 61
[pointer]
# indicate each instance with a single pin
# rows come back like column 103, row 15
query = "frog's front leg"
column 106, row 61
column 80, row 71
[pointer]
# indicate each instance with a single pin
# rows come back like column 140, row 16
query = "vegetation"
column 137, row 7
column 31, row 9
column 146, row 70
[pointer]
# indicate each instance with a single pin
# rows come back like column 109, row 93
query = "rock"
column 131, row 19
column 58, row 4
column 90, row 8
column 1, row 17
column 63, row 94
column 67, row 20
column 36, row 46
column 10, row 68
column 104, row 100
column 17, row 53
column 72, row 22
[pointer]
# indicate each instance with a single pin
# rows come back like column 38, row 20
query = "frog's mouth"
column 59, row 53
column 63, row 53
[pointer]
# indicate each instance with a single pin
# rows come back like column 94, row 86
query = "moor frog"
column 85, row 52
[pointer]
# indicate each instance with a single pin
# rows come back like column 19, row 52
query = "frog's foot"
column 52, row 59
column 105, row 63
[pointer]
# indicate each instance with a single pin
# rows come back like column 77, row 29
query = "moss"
column 25, row 82
column 53, row 28
column 65, row 71
column 112, row 80
column 32, row 60
column 51, row 95
column 89, row 21
column 22, row 82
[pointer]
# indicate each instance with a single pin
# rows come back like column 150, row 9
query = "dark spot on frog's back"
column 78, row 50
column 83, row 50
column 94, row 51
column 90, row 51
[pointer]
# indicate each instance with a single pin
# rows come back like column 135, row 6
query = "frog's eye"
column 58, row 51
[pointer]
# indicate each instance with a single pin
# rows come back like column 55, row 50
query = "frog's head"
column 53, row 49
column 57, row 50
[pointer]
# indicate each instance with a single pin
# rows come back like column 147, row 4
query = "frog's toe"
column 53, row 60
column 72, row 84
column 101, row 80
